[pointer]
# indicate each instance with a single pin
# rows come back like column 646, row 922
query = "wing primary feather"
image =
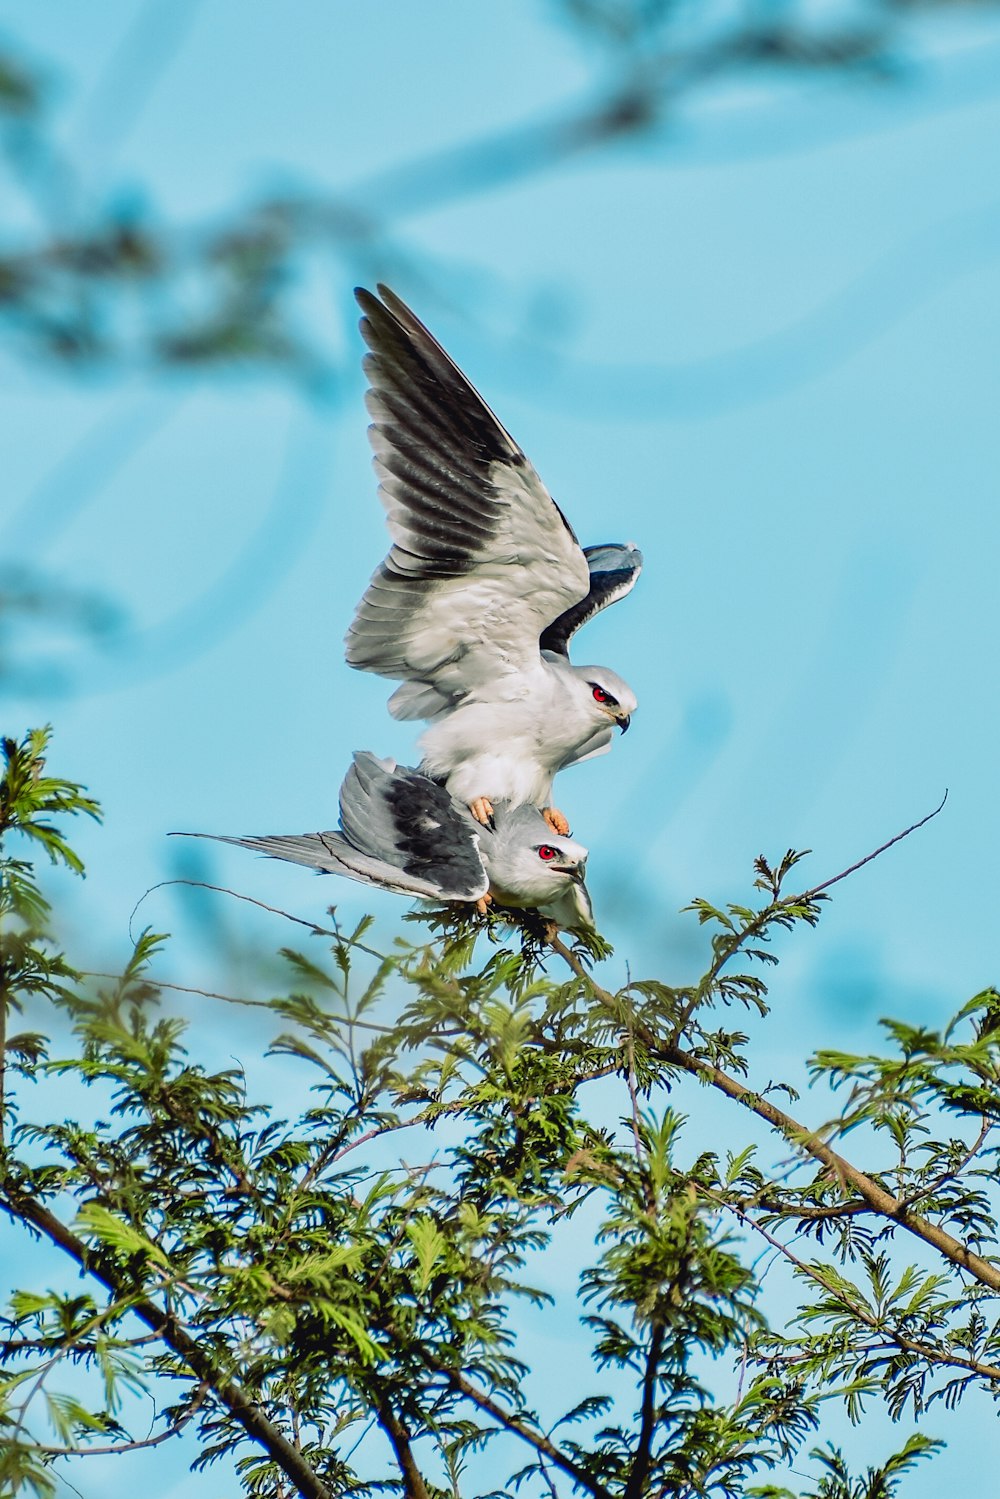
column 409, row 357
column 399, row 830
column 482, row 559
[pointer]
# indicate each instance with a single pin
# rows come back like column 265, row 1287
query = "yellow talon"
column 556, row 821
column 483, row 903
column 482, row 810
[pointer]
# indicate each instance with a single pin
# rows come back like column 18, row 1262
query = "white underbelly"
column 499, row 750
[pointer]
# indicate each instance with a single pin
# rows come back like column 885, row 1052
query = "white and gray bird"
column 484, row 586
column 401, row 831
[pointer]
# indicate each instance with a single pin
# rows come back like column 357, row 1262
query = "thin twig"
column 633, row 1093
column 953, row 1171
column 233, row 999
column 853, row 868
column 318, row 931
column 769, row 913
column 130, row 1446
column 547, row 1478
column 515, row 1424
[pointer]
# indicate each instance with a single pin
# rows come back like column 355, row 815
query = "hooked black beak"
column 623, row 723
column 575, row 871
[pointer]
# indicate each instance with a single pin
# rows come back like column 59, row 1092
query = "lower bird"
column 401, row 830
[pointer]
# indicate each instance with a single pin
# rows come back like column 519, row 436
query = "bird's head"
column 607, row 695
column 528, row 864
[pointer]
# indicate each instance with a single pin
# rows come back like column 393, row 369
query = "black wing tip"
column 382, row 301
column 375, row 315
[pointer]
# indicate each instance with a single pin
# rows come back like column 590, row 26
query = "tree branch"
column 873, row 1323
column 520, row 1428
column 165, row 1324
column 413, row 1483
column 130, row 1446
column 641, row 1462
column 877, row 1198
column 853, row 868
column 954, row 1171
column 764, row 917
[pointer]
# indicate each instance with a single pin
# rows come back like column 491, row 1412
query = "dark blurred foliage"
column 39, row 615
column 106, row 286
column 110, row 285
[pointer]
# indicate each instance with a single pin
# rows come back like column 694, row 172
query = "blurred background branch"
column 102, row 281
column 98, row 282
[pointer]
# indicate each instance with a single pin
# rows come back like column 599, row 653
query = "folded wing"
column 398, row 830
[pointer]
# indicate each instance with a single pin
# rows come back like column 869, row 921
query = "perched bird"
column 485, row 583
column 402, row 831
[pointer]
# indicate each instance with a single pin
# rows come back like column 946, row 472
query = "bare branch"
column 235, row 999
column 519, row 1427
column 131, row 1446
column 318, row 931
column 853, row 868
column 771, row 912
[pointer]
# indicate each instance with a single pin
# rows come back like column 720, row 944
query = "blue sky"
column 761, row 344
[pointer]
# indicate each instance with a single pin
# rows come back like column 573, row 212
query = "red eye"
column 547, row 852
column 600, row 696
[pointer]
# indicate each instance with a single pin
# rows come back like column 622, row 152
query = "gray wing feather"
column 420, row 700
column 411, row 822
column 330, row 853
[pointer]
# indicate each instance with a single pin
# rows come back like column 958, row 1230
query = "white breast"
column 510, row 746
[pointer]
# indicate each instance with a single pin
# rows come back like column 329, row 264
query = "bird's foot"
column 556, row 821
column 482, row 810
column 483, row 903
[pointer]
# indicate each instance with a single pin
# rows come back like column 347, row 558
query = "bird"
column 484, row 586
column 402, row 831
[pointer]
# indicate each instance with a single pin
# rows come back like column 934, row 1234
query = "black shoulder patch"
column 434, row 839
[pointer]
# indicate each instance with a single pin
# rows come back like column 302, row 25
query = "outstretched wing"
column 482, row 559
column 613, row 572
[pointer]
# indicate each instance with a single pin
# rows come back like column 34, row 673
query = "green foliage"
column 334, row 1301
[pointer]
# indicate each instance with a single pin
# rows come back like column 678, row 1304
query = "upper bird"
column 484, row 585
